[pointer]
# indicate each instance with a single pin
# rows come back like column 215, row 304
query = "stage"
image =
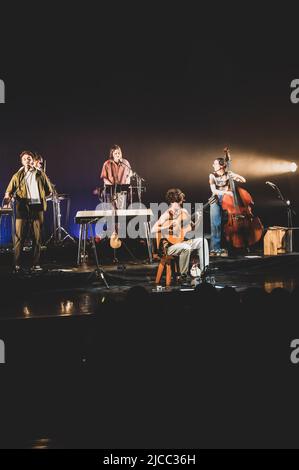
column 65, row 289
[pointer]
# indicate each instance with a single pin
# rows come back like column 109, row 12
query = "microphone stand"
column 204, row 278
column 139, row 183
column 12, row 205
column 139, row 189
column 287, row 203
column 290, row 212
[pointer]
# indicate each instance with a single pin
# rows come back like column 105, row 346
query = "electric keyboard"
column 83, row 217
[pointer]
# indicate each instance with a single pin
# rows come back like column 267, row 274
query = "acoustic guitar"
column 174, row 229
column 115, row 241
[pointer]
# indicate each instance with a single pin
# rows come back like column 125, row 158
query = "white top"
column 32, row 187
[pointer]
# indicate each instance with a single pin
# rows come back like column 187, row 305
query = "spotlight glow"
column 258, row 166
column 191, row 163
column 293, row 167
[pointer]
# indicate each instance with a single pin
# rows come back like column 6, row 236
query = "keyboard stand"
column 83, row 237
column 98, row 271
column 81, row 258
column 148, row 241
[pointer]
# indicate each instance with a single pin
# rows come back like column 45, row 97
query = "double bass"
column 243, row 229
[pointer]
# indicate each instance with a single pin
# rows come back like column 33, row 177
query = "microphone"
column 135, row 175
column 271, row 184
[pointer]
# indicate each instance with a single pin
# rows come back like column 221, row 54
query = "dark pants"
column 29, row 222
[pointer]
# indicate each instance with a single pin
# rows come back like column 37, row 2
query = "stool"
column 166, row 261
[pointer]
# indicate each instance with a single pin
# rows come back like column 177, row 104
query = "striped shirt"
column 221, row 181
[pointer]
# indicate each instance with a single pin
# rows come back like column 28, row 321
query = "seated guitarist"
column 173, row 224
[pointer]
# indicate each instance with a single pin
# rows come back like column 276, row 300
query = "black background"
column 172, row 85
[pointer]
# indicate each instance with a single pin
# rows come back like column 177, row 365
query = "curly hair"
column 174, row 195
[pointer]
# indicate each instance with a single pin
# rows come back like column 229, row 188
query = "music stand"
column 139, row 181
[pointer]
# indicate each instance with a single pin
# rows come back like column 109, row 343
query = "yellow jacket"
column 17, row 183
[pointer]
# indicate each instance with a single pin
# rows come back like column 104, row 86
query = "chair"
column 170, row 262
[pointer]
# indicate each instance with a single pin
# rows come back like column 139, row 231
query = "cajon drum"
column 277, row 240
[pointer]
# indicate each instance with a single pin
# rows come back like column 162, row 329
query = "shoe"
column 184, row 279
column 17, row 269
column 223, row 252
column 195, row 270
column 36, row 268
column 213, row 253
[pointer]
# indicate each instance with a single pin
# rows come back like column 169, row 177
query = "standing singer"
column 116, row 173
column 29, row 188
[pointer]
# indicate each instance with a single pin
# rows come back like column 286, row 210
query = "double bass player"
column 219, row 184
column 242, row 229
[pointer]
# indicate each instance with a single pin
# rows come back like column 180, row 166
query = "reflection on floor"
column 64, row 290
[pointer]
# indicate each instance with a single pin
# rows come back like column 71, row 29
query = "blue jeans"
column 216, row 219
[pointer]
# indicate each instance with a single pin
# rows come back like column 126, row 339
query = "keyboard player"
column 116, row 175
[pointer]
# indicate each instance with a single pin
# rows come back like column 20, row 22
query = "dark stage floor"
column 67, row 290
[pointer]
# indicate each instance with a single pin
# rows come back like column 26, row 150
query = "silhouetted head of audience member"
column 295, row 293
column 137, row 296
column 206, row 292
column 255, row 297
column 229, row 295
column 280, row 298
